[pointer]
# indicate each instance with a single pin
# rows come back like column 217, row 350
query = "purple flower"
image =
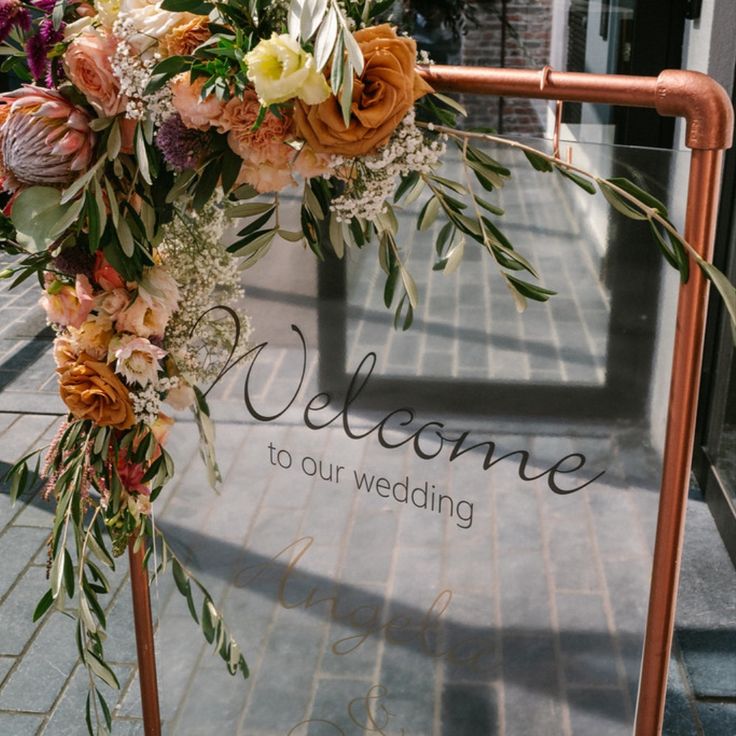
column 38, row 47
column 182, row 147
column 46, row 6
column 12, row 13
column 74, row 260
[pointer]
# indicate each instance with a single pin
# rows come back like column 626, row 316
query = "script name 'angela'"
column 319, row 413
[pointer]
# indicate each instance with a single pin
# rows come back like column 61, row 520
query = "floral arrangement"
column 138, row 130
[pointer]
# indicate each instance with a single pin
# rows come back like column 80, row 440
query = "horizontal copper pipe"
column 696, row 97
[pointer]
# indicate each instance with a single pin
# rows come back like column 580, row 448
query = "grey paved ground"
column 332, row 589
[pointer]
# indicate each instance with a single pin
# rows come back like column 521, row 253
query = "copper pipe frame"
column 709, row 116
column 144, row 638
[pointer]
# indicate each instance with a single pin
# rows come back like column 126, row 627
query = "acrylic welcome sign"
column 443, row 531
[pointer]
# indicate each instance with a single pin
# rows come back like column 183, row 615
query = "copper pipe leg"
column 144, row 641
column 705, row 168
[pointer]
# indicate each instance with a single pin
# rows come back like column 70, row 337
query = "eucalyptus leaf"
column 35, row 212
column 114, row 141
column 293, row 236
column 454, row 104
column 313, row 11
column 619, row 203
column 355, row 55
column 346, row 95
column 336, row 237
column 326, row 38
column 455, row 256
column 142, row 155
column 410, row 286
column 248, row 209
column 125, row 237
column 585, row 184
column 294, row 21
column 539, row 162
column 428, row 214
column 102, row 670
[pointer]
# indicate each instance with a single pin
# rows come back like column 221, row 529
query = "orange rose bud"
column 382, row 96
column 91, row 390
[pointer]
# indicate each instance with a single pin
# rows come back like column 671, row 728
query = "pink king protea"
column 44, row 139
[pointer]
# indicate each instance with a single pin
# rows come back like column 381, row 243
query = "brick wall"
column 527, row 45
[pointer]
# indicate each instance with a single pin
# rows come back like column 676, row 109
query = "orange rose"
column 181, row 40
column 92, row 391
column 385, row 92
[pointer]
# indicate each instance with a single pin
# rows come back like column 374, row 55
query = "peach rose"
column 91, row 390
column 193, row 110
column 93, row 337
column 87, row 64
column 65, row 304
column 384, row 93
column 143, row 319
column 181, row 40
column 113, row 302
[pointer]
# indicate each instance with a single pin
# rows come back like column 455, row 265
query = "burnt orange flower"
column 384, row 93
column 91, row 390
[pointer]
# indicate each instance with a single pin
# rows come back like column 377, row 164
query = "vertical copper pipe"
column 700, row 223
column 144, row 640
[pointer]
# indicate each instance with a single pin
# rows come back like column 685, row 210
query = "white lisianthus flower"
column 281, row 70
column 137, row 359
column 107, row 12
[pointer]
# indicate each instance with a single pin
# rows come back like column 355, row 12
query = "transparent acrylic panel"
column 460, row 543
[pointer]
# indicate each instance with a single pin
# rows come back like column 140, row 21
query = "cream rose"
column 281, row 70
column 142, row 319
column 87, row 64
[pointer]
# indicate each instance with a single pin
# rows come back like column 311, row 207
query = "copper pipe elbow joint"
column 703, row 103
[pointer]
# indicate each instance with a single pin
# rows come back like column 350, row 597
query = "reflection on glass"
column 404, row 557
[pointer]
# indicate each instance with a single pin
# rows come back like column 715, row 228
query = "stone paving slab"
column 543, row 631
